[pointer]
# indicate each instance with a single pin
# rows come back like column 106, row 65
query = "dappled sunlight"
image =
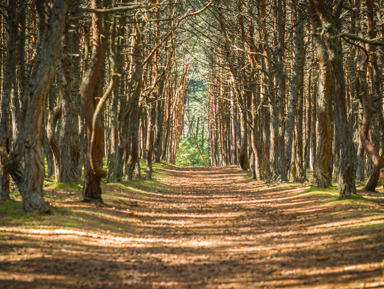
column 215, row 223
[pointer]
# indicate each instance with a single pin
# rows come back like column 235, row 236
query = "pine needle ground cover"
column 195, row 228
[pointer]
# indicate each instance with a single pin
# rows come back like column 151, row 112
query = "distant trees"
column 285, row 87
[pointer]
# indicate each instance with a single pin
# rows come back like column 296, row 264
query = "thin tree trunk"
column 52, row 122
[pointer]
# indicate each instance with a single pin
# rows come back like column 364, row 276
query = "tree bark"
column 9, row 74
column 324, row 110
column 53, row 119
column 28, row 145
column 90, row 93
column 330, row 23
column 368, row 102
column 70, row 148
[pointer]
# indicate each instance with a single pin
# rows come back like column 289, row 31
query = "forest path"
column 206, row 228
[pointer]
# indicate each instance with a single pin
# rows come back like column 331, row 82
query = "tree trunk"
column 294, row 119
column 324, row 112
column 70, row 148
column 90, row 93
column 368, row 103
column 9, row 74
column 150, row 138
column 53, row 119
column 346, row 169
column 28, row 146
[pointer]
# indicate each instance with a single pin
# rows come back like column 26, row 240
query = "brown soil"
column 212, row 228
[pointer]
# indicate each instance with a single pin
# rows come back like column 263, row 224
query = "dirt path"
column 213, row 229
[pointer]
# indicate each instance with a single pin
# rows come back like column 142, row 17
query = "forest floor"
column 195, row 228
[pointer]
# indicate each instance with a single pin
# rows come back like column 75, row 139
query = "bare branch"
column 375, row 41
column 119, row 9
column 172, row 30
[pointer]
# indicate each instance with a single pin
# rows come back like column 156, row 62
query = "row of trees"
column 106, row 81
column 291, row 85
column 297, row 85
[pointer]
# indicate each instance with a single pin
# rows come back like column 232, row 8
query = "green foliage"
column 196, row 109
column 188, row 153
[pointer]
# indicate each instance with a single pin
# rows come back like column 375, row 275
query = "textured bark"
column 70, row 148
column 266, row 84
column 240, row 97
column 150, row 138
column 368, row 102
column 53, row 119
column 159, row 123
column 368, row 111
column 323, row 160
column 136, row 85
column 243, row 154
column 28, row 148
column 295, row 112
column 90, row 93
column 9, row 74
column 330, row 22
column 281, row 87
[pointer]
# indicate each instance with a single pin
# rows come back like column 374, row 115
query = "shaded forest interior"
column 288, row 90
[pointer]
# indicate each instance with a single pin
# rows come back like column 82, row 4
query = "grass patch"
column 118, row 214
column 11, row 209
column 65, row 186
column 317, row 191
column 331, row 194
column 353, row 199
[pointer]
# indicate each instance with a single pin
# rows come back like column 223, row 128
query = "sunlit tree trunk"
column 90, row 92
column 323, row 160
column 368, row 97
column 26, row 163
column 330, row 20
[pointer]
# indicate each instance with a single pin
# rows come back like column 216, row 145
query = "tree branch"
column 172, row 30
column 119, row 9
column 375, row 41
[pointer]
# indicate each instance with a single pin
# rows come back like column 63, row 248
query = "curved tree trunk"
column 28, row 146
column 90, row 93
